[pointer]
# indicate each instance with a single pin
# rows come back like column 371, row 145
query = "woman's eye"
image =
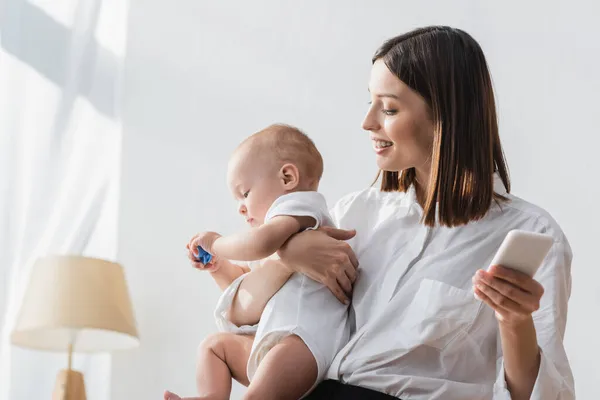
column 246, row 194
column 389, row 112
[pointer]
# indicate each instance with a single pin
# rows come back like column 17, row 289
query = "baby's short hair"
column 290, row 144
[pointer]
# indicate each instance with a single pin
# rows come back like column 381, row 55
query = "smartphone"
column 523, row 251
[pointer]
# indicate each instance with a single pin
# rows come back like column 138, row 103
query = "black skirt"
column 335, row 390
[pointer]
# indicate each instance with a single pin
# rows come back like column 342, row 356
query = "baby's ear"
column 290, row 176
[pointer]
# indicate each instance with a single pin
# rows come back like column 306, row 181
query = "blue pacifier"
column 203, row 256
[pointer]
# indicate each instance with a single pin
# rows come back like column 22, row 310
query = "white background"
column 202, row 75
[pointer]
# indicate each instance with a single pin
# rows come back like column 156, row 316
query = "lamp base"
column 69, row 386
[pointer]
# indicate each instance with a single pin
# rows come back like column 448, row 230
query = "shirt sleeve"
column 555, row 379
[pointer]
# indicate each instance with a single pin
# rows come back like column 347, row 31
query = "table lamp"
column 75, row 304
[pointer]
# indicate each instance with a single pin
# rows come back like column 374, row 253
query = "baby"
column 274, row 174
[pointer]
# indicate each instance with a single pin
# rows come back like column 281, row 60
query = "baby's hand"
column 204, row 240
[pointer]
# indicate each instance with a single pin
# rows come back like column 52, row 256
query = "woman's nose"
column 242, row 209
column 370, row 123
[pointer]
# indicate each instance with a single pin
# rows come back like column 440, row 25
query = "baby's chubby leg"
column 287, row 372
column 221, row 356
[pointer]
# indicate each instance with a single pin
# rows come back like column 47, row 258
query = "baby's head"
column 275, row 161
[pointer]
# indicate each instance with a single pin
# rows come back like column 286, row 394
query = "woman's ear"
column 290, row 176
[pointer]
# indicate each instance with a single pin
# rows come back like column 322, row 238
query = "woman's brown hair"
column 446, row 66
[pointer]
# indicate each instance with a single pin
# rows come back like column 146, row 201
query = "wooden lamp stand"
column 69, row 383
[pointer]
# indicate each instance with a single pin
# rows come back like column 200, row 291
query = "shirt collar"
column 499, row 187
column 410, row 199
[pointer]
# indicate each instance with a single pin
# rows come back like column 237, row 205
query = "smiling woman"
column 418, row 330
column 401, row 126
column 441, row 101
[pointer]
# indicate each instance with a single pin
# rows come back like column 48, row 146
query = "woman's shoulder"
column 373, row 197
column 366, row 206
column 518, row 213
column 531, row 215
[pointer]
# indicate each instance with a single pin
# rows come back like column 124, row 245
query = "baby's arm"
column 258, row 243
column 263, row 282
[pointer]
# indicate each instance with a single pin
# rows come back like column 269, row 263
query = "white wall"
column 200, row 76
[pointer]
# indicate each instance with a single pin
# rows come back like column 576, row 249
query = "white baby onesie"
column 302, row 307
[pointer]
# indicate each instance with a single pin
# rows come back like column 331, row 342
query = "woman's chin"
column 387, row 166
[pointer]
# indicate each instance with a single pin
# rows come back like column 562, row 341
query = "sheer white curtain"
column 60, row 71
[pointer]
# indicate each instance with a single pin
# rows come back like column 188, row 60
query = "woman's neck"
column 422, row 186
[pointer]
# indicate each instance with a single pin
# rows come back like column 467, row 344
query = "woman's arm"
column 532, row 326
column 514, row 296
column 521, row 357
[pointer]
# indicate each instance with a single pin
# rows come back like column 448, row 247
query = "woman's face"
column 400, row 124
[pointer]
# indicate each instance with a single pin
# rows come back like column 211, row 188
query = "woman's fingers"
column 345, row 269
column 334, row 281
column 481, row 296
column 345, row 283
column 524, row 299
column 348, row 261
column 500, row 312
column 517, row 278
column 351, row 274
column 351, row 256
column 339, row 278
column 512, row 294
column 333, row 285
column 500, row 302
column 339, row 234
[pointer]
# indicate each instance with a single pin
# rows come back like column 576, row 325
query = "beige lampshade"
column 78, row 300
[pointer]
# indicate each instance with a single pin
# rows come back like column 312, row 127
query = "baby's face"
column 255, row 184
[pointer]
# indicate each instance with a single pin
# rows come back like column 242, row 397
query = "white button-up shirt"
column 419, row 333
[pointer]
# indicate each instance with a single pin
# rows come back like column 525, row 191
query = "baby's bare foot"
column 173, row 396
